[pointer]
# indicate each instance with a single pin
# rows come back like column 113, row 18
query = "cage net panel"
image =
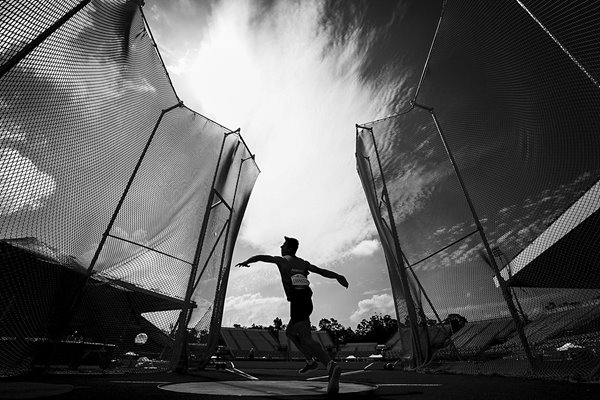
column 78, row 110
column 518, row 109
column 232, row 188
column 407, row 299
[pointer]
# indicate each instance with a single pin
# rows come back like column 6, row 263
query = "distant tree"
column 339, row 333
column 277, row 324
column 379, row 328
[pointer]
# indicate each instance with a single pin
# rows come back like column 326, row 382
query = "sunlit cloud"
column 377, row 304
column 22, row 184
column 256, row 278
column 365, row 248
column 249, row 309
column 244, row 72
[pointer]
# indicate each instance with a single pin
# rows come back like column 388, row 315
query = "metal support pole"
column 424, row 71
column 430, row 304
column 222, row 282
column 127, row 187
column 505, row 292
column 412, row 315
column 388, row 261
column 4, row 68
column 181, row 338
column 220, row 290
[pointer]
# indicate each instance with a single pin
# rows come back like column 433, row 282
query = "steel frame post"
column 412, row 315
column 180, row 356
column 410, row 268
column 394, row 289
column 40, row 38
column 505, row 292
column 127, row 187
column 217, row 314
column 231, row 212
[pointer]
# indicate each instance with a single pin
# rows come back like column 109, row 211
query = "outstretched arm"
column 329, row 274
column 258, row 258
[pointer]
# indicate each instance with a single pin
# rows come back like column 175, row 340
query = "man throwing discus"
column 294, row 277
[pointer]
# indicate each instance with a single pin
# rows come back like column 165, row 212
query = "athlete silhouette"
column 294, row 277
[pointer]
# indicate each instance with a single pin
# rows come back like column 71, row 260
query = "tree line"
column 378, row 328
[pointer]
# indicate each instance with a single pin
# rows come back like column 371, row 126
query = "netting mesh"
column 512, row 89
column 119, row 207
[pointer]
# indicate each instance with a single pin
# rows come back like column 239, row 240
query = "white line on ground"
column 236, row 371
column 314, row 378
column 409, row 384
column 242, row 373
column 154, row 382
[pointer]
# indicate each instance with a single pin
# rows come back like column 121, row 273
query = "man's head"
column 289, row 246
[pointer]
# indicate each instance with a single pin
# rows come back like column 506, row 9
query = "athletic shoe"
column 309, row 366
column 334, row 371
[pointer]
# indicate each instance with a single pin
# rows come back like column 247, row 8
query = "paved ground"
column 274, row 377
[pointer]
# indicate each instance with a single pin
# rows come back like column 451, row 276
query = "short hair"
column 292, row 243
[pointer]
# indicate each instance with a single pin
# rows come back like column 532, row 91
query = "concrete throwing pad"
column 31, row 390
column 262, row 388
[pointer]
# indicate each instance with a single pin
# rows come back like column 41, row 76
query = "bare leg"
column 300, row 334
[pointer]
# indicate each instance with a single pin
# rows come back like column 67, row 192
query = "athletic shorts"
column 301, row 307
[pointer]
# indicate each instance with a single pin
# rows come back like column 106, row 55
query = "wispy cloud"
column 244, row 72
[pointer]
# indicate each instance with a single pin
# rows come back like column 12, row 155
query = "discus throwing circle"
column 262, row 388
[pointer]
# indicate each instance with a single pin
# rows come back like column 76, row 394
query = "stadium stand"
column 398, row 346
column 245, row 343
column 358, row 350
column 109, row 316
column 291, row 352
column 325, row 340
column 559, row 324
column 476, row 337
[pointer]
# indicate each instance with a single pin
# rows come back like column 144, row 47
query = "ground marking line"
column 343, row 373
column 158, row 382
column 409, row 384
column 236, row 371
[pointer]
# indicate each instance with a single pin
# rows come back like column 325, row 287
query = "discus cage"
column 119, row 206
column 485, row 191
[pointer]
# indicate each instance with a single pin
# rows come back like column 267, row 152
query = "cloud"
column 365, row 248
column 244, row 71
column 22, row 184
column 379, row 303
column 249, row 309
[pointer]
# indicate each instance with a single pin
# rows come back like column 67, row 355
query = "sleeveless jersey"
column 294, row 276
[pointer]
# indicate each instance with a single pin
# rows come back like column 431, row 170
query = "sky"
column 295, row 77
